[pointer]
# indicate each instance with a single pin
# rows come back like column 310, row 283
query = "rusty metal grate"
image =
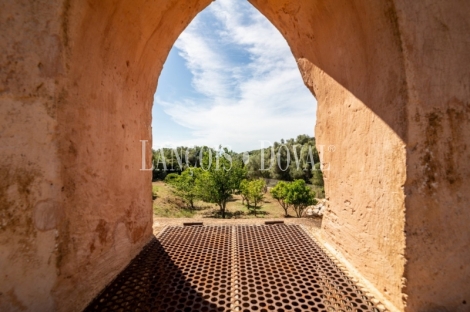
column 232, row 268
column 282, row 269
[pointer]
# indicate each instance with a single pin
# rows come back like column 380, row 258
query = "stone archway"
column 392, row 83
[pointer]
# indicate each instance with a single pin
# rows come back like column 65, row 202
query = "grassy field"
column 168, row 205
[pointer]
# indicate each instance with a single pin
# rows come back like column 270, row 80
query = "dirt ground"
column 168, row 205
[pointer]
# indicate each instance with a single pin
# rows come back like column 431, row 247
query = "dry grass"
column 168, row 205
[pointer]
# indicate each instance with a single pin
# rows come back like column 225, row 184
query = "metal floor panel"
column 232, row 268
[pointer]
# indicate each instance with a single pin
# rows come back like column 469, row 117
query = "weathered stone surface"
column 436, row 48
column 28, row 151
column 77, row 79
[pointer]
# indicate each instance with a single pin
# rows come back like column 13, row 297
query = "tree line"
column 219, row 182
column 288, row 160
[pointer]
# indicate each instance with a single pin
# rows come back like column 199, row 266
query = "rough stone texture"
column 30, row 63
column 77, row 80
column 436, row 46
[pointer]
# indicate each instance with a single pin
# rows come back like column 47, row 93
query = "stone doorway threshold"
column 276, row 267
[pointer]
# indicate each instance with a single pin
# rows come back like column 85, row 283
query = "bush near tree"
column 253, row 192
column 184, row 185
column 279, row 192
column 300, row 196
column 244, row 191
column 296, row 194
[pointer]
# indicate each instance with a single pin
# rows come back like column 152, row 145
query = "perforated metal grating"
column 232, row 268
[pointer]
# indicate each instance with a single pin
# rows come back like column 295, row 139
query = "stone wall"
column 436, row 46
column 31, row 62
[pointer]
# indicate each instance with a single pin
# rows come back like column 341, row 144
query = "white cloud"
column 243, row 103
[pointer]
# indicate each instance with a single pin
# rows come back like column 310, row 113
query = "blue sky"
column 230, row 79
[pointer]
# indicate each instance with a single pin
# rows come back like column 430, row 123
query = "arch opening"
column 230, row 79
column 231, row 82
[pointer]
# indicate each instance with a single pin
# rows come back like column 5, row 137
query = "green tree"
column 280, row 170
column 244, row 192
column 317, row 178
column 254, row 169
column 303, row 139
column 220, row 179
column 256, row 194
column 184, row 185
column 296, row 170
column 279, row 192
column 318, row 182
column 300, row 196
